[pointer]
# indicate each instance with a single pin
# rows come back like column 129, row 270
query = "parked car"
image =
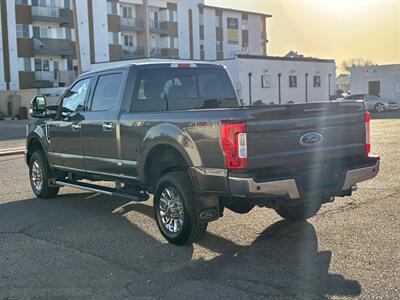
column 177, row 131
column 375, row 103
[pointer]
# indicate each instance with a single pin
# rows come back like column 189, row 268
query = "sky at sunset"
column 339, row 29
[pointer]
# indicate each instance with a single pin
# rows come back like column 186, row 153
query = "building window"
column 173, row 42
column 42, row 64
column 70, row 65
column 128, row 40
column 172, row 16
column 112, row 8
column 219, row 46
column 266, row 81
column 21, row 2
column 245, row 47
column 22, row 30
column 201, row 45
column 127, row 12
column 245, row 25
column 292, row 81
column 68, row 33
column 317, row 81
column 44, row 32
column 113, row 38
column 201, row 19
column 67, row 4
column 36, row 32
column 24, row 64
column 218, row 21
column 38, row 64
column 41, row 3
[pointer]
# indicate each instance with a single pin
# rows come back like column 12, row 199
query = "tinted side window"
column 107, row 91
column 183, row 88
column 74, row 99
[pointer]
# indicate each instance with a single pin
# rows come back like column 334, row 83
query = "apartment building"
column 38, row 44
column 46, row 43
column 171, row 29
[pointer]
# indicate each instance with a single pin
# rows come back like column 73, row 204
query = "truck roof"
column 156, row 65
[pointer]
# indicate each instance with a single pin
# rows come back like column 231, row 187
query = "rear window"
column 180, row 89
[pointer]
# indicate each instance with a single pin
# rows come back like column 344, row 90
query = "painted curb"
column 11, row 152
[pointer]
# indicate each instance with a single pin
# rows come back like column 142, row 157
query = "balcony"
column 46, row 79
column 132, row 24
column 132, row 52
column 53, row 47
column 52, row 14
column 157, row 27
column 163, row 52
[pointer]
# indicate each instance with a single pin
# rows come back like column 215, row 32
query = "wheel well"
column 33, row 146
column 161, row 160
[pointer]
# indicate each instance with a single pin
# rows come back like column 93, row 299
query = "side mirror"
column 38, row 107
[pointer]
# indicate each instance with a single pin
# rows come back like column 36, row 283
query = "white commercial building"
column 280, row 80
column 379, row 80
column 274, row 80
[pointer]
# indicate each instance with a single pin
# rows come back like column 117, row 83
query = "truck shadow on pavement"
column 89, row 245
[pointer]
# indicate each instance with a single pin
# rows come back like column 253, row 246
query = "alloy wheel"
column 37, row 175
column 379, row 107
column 172, row 214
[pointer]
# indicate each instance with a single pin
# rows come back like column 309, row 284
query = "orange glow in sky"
column 339, row 29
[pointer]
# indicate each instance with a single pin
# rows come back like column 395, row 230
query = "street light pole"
column 329, row 86
column 250, row 96
column 279, row 88
column 306, row 87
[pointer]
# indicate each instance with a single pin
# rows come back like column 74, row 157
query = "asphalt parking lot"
column 84, row 245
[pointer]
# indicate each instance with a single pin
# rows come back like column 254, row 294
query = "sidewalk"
column 12, row 136
column 12, row 130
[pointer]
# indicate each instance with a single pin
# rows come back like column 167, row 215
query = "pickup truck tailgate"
column 305, row 135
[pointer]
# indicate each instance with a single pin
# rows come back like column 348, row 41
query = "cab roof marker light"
column 175, row 65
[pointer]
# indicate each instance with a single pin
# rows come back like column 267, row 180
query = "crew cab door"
column 99, row 129
column 64, row 132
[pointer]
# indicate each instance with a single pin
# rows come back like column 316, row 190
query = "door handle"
column 108, row 126
column 76, row 127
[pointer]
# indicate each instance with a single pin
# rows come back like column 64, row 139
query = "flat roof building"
column 378, row 80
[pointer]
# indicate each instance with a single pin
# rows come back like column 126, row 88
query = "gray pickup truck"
column 177, row 131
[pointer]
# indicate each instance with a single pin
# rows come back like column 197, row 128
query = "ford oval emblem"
column 208, row 214
column 311, row 139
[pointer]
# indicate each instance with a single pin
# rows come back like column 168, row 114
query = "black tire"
column 379, row 107
column 301, row 212
column 178, row 185
column 38, row 160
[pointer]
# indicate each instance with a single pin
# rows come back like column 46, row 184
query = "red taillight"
column 367, row 133
column 234, row 142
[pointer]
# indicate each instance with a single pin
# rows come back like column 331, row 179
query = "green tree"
column 356, row 62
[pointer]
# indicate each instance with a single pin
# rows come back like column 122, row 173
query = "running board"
column 137, row 197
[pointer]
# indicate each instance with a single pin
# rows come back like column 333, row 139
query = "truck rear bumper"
column 248, row 187
column 288, row 188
